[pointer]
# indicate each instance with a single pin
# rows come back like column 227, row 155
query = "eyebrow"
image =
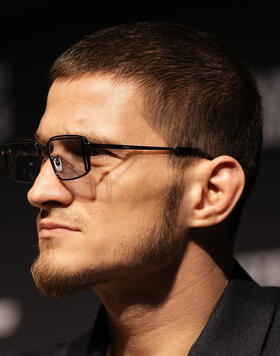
column 92, row 138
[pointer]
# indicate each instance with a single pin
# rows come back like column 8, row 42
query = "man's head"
column 195, row 91
column 153, row 84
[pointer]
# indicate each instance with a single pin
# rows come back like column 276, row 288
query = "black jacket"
column 246, row 322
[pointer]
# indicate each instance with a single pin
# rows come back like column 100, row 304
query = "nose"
column 48, row 189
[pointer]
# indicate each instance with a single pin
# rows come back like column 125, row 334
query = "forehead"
column 97, row 107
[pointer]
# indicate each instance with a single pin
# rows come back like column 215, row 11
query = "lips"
column 48, row 229
column 49, row 225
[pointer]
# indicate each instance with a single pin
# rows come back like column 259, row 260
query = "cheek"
column 127, row 201
column 134, row 184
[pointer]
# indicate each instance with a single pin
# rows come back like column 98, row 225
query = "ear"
column 219, row 188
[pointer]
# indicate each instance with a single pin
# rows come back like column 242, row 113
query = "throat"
column 164, row 324
column 159, row 332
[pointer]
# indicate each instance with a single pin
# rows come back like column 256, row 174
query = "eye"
column 58, row 163
column 101, row 152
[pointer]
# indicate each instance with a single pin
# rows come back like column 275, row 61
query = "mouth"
column 50, row 229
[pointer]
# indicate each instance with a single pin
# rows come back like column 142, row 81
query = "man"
column 141, row 164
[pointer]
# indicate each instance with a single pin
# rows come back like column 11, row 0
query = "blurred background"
column 32, row 35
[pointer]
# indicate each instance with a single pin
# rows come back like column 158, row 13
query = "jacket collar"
column 240, row 321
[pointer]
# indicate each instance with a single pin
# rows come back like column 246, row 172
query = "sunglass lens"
column 23, row 161
column 68, row 157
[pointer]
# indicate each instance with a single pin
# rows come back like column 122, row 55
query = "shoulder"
column 262, row 305
column 244, row 286
column 273, row 292
column 272, row 345
column 246, row 321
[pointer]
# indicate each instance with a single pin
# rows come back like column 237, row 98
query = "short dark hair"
column 198, row 92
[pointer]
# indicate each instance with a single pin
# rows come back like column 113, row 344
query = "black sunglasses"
column 69, row 156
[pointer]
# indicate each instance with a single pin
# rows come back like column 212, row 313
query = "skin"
column 156, row 305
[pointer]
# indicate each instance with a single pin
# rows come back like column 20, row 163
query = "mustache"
column 61, row 216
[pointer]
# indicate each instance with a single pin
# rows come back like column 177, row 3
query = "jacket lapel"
column 239, row 324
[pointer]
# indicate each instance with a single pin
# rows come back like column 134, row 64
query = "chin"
column 54, row 278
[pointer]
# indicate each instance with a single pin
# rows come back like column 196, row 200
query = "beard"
column 156, row 248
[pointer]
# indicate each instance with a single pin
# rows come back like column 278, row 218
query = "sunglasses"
column 69, row 156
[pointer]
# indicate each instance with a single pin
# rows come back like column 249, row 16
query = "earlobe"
column 221, row 187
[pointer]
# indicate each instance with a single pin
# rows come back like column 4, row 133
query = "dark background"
column 32, row 35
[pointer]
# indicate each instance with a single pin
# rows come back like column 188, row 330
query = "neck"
column 162, row 312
